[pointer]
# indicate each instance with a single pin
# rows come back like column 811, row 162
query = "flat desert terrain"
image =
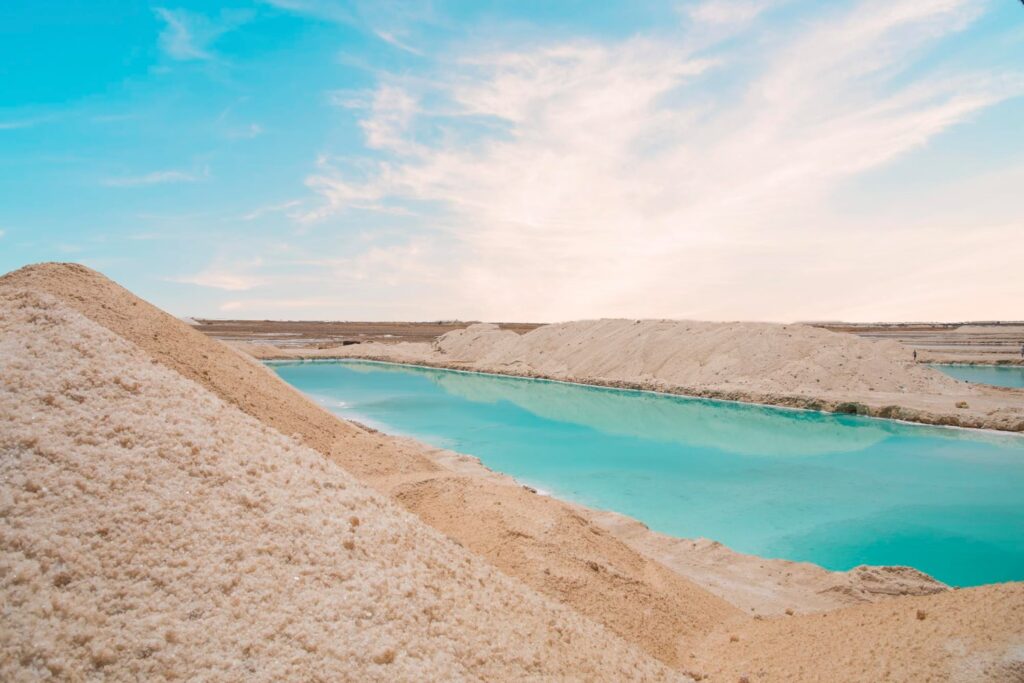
column 327, row 334
column 967, row 342
column 986, row 343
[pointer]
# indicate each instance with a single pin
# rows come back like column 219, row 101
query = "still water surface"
column 999, row 375
column 835, row 490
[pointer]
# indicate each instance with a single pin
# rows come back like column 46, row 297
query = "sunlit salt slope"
column 763, row 357
column 148, row 529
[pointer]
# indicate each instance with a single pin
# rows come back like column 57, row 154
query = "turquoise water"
column 835, row 490
column 999, row 375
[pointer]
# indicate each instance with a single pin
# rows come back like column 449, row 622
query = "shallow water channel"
column 997, row 375
column 836, row 490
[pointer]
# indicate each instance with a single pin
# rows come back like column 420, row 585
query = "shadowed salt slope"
column 148, row 529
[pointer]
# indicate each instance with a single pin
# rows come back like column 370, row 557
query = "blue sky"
column 716, row 159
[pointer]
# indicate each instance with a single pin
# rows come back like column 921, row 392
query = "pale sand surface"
column 565, row 552
column 990, row 343
column 763, row 586
column 791, row 365
column 151, row 530
column 903, row 640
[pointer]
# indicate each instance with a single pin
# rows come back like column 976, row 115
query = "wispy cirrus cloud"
column 289, row 207
column 181, row 38
column 189, row 36
column 392, row 39
column 725, row 11
column 245, row 132
column 622, row 178
column 392, row 111
column 228, row 276
column 155, row 178
column 386, row 20
column 286, row 304
column 146, row 236
column 15, row 124
column 329, row 10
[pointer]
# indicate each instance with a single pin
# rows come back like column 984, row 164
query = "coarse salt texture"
column 148, row 530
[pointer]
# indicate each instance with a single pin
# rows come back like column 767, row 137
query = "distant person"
column 915, row 355
column 1022, row 345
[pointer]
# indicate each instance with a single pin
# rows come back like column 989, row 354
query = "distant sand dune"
column 764, row 357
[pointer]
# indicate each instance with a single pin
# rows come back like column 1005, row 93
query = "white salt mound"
column 760, row 357
column 148, row 530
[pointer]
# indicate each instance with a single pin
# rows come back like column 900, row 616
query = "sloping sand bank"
column 563, row 552
column 543, row 542
column 905, row 640
column 150, row 530
column 798, row 366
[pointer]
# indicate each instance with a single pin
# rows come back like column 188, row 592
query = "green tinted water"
column 835, row 490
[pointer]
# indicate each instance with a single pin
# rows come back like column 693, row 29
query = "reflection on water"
column 731, row 427
column 836, row 490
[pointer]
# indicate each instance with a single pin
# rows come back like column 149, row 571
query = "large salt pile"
column 150, row 530
column 543, row 542
column 762, row 357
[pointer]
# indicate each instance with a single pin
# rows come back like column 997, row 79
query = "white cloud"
column 232, row 277
column 272, row 208
column 726, row 11
column 155, row 178
column 339, row 195
column 232, row 282
column 413, row 263
column 391, row 39
column 188, row 36
column 329, row 10
column 391, row 113
column 618, row 179
column 179, row 39
column 242, row 305
column 253, row 130
column 349, row 99
column 15, row 124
